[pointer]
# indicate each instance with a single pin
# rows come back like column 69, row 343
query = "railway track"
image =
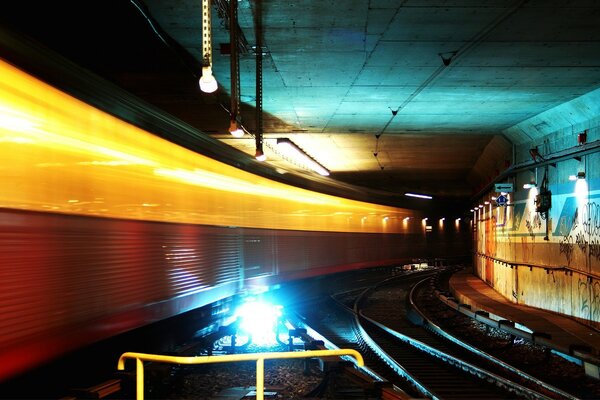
column 418, row 361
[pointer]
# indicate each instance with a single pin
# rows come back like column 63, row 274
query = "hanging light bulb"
column 260, row 155
column 235, row 129
column 208, row 83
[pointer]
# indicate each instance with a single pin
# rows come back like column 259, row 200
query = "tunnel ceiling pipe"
column 552, row 159
column 234, row 128
column 208, row 83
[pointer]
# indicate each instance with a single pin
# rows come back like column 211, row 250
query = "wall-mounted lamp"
column 208, row 83
column 289, row 149
column 580, row 175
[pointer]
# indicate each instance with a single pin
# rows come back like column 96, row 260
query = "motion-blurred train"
column 105, row 227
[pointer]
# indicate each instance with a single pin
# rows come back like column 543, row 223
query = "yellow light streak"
column 56, row 148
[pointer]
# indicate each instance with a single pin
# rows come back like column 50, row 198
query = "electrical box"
column 543, row 201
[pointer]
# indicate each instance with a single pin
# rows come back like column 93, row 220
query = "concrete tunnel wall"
column 551, row 263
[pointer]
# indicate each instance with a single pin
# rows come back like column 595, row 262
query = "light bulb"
column 260, row 155
column 208, row 83
column 235, row 130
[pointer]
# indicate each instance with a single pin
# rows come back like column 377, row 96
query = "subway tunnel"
column 423, row 129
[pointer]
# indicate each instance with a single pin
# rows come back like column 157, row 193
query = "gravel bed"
column 287, row 378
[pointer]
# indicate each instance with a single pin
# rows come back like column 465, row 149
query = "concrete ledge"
column 471, row 307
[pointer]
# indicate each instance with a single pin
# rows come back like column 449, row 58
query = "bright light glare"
column 581, row 194
column 259, row 320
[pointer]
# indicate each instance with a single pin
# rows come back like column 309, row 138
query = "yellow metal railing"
column 258, row 357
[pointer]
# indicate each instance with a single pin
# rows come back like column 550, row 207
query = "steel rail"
column 428, row 324
column 481, row 373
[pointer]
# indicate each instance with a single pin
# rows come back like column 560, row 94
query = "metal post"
column 259, row 75
column 234, row 60
column 139, row 379
column 260, row 379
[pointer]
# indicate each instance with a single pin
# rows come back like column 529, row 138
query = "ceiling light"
column 235, row 129
column 420, row 196
column 260, row 155
column 296, row 154
column 529, row 185
column 208, row 83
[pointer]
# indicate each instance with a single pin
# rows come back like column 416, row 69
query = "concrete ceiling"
column 335, row 70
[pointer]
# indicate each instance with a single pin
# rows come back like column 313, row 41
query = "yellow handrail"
column 258, row 357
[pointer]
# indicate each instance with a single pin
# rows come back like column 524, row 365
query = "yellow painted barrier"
column 258, row 357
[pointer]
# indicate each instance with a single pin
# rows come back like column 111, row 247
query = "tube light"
column 291, row 150
column 529, row 185
column 420, row 196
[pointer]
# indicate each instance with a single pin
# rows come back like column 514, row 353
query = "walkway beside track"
column 550, row 329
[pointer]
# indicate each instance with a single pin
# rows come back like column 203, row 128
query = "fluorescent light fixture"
column 420, row 196
column 235, row 129
column 529, row 185
column 296, row 154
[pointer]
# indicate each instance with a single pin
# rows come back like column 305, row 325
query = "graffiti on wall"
column 566, row 248
column 586, row 228
column 580, row 231
column 533, row 223
column 589, row 299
